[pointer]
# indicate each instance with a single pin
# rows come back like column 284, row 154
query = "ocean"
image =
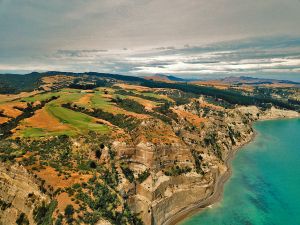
column 264, row 188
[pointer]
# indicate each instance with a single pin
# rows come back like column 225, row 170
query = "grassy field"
column 40, row 97
column 100, row 102
column 78, row 121
column 75, row 122
column 38, row 132
column 65, row 121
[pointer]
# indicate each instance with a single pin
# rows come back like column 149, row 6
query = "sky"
column 194, row 38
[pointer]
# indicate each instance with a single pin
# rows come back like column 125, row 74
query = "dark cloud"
column 184, row 38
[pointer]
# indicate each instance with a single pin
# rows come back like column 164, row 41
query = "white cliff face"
column 269, row 114
column 18, row 194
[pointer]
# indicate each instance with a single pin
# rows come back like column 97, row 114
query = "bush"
column 69, row 211
column 127, row 172
column 176, row 171
column 43, row 214
column 143, row 176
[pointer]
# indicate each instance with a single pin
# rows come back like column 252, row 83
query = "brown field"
column 85, row 100
column 63, row 200
column 10, row 111
column 190, row 117
column 42, row 119
column 116, row 110
column 50, row 175
column 278, row 85
column 11, row 97
column 48, row 82
column 133, row 87
column 212, row 106
column 160, row 133
column 246, row 88
column 3, row 119
column 149, row 105
column 56, row 79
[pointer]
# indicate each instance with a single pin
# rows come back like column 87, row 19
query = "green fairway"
column 40, row 97
column 78, row 121
column 71, row 97
column 38, row 132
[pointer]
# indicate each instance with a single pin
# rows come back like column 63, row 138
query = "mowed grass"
column 100, row 102
column 40, row 97
column 79, row 121
column 39, row 132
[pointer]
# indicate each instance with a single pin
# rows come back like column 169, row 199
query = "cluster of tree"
column 211, row 140
column 143, row 176
column 198, row 158
column 43, row 213
column 22, row 219
column 163, row 113
column 103, row 203
column 130, row 105
column 177, row 170
column 120, row 120
column 231, row 96
column 294, row 101
column 15, row 83
column 131, row 93
column 87, row 86
column 127, row 172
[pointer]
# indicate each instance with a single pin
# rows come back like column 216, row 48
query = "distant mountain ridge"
column 166, row 78
column 254, row 81
column 15, row 83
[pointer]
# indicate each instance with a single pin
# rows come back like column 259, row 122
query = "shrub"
column 69, row 211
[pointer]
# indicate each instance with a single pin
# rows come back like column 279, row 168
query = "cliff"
column 163, row 199
column 19, row 195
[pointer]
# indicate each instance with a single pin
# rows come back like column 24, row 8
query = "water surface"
column 265, row 184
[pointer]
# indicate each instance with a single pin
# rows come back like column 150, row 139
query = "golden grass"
column 190, row 117
column 10, row 111
column 3, row 120
column 50, row 175
column 133, row 87
column 42, row 119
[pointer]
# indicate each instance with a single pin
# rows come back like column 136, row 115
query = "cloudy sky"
column 194, row 38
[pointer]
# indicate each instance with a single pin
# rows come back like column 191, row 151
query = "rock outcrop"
column 203, row 147
column 19, row 195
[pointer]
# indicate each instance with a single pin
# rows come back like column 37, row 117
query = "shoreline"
column 218, row 191
column 216, row 195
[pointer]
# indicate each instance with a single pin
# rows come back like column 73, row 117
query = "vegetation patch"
column 79, row 121
column 177, row 170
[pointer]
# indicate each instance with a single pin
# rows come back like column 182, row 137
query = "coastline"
column 217, row 194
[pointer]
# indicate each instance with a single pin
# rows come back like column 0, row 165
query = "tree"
column 69, row 211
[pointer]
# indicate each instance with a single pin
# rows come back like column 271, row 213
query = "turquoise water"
column 265, row 184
